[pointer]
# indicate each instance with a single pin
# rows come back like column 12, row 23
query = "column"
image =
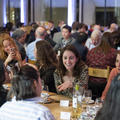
column 24, row 11
column 71, row 11
column 117, row 11
column 80, row 11
column 3, row 11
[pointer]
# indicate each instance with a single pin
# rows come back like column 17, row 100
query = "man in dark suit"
column 80, row 45
column 51, row 28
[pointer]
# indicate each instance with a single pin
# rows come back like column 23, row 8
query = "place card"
column 64, row 103
column 65, row 115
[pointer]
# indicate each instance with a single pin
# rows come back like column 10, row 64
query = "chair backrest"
column 31, row 61
column 101, row 73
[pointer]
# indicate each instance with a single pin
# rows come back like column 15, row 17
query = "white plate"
column 91, row 101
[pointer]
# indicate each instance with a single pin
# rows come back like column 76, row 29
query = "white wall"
column 89, row 12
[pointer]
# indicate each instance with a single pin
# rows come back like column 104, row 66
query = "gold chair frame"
column 97, row 72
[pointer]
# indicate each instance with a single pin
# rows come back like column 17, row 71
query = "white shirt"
column 30, row 50
column 89, row 44
column 25, row 110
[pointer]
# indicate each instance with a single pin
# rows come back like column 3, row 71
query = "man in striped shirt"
column 26, row 89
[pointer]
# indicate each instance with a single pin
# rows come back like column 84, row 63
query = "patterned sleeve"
column 84, row 76
column 58, row 81
column 88, row 58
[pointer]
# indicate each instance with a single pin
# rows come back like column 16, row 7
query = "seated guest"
column 19, row 37
column 80, row 27
column 22, row 52
column 95, row 39
column 31, row 36
column 3, row 92
column 90, row 30
column 111, row 107
column 80, row 45
column 46, row 62
column 113, row 28
column 66, row 38
column 26, row 89
column 60, row 23
column 97, row 27
column 51, row 29
column 100, row 57
column 58, row 35
column 115, row 39
column 40, row 34
column 70, row 70
column 9, row 27
column 75, row 25
column 113, row 73
column 11, row 52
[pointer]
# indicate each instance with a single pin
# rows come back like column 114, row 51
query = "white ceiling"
column 109, row 3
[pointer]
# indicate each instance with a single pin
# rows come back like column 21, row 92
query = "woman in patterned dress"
column 71, row 69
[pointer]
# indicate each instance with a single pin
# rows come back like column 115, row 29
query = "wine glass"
column 87, row 95
column 81, row 92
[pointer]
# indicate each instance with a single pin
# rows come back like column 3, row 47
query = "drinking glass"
column 86, row 99
column 98, row 102
column 88, row 95
column 80, row 95
column 81, row 90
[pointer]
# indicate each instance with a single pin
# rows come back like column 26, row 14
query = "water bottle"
column 76, row 103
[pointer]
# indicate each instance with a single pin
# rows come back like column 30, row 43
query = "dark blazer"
column 83, row 50
column 53, row 32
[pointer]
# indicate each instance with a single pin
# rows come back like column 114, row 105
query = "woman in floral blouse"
column 70, row 70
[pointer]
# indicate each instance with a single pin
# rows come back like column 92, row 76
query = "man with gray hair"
column 19, row 35
column 19, row 38
column 40, row 34
column 95, row 39
column 113, row 27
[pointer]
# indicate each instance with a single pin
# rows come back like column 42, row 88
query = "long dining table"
column 57, row 110
column 54, row 105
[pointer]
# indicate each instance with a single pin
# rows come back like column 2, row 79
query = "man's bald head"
column 40, row 32
column 113, row 27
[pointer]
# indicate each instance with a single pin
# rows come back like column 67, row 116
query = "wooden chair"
column 31, row 61
column 101, row 73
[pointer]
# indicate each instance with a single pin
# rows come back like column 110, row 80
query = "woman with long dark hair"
column 46, row 63
column 71, row 69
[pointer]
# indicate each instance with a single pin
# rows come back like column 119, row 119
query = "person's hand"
column 10, row 57
column 65, row 85
column 18, row 58
column 102, row 98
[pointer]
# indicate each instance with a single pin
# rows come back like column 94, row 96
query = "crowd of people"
column 37, row 57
